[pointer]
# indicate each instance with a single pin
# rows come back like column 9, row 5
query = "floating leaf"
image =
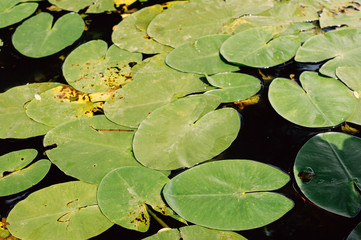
column 61, row 104
column 318, row 102
column 36, row 37
column 124, row 192
column 349, row 16
column 14, row 121
column 327, row 171
column 248, row 7
column 185, row 132
column 154, row 85
column 13, row 11
column 93, row 67
column 62, row 211
column 343, row 47
column 95, row 6
column 89, row 148
column 17, row 176
column 259, row 47
column 172, row 28
column 234, row 86
column 130, row 33
column 201, row 56
column 229, row 194
column 355, row 234
column 195, row 232
column 351, row 77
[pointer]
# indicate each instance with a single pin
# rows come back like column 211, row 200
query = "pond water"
column 264, row 137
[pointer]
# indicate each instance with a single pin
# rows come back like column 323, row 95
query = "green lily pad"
column 14, row 121
column 62, row 211
column 259, row 47
column 233, row 87
column 355, row 234
column 61, row 104
column 248, row 7
column 201, row 56
column 327, row 171
column 13, row 11
column 318, row 102
column 172, row 28
column 185, row 132
column 343, row 47
column 92, row 67
column 95, row 6
column 128, row 35
column 88, row 149
column 17, row 176
column 124, row 192
column 154, row 85
column 195, row 232
column 229, row 194
column 36, row 37
column 351, row 77
column 344, row 16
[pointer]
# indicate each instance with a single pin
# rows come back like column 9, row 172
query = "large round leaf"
column 61, row 104
column 172, row 28
column 15, row 123
column 154, row 85
column 95, row 6
column 185, row 132
column 124, row 192
column 319, row 102
column 128, row 35
column 36, row 37
column 233, row 87
column 15, row 176
column 343, row 47
column 327, row 170
column 259, row 47
column 89, row 148
column 12, row 12
column 93, row 67
column 62, row 211
column 201, row 56
column 229, row 194
column 351, row 77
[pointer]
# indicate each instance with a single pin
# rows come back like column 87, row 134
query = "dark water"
column 264, row 137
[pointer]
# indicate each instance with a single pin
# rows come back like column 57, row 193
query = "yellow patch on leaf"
column 124, row 2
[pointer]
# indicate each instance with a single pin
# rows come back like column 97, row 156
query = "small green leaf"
column 229, row 194
column 95, row 6
column 355, row 234
column 13, row 11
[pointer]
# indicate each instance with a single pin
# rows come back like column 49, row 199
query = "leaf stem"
column 160, row 221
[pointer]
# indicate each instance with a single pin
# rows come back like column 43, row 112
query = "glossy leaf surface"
column 229, row 194
column 68, row 209
column 89, row 148
column 318, row 102
column 327, row 171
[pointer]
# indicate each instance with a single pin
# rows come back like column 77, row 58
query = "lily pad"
column 229, row 194
column 349, row 16
column 62, row 211
column 14, row 121
column 355, row 234
column 95, row 6
column 259, row 47
column 172, row 28
column 124, row 192
column 233, row 87
column 130, row 33
column 351, row 77
column 92, row 67
column 185, row 132
column 154, row 85
column 13, row 11
column 88, row 149
column 327, row 171
column 343, row 47
column 36, row 37
column 61, row 104
column 201, row 56
column 195, row 232
column 318, row 102
column 15, row 176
